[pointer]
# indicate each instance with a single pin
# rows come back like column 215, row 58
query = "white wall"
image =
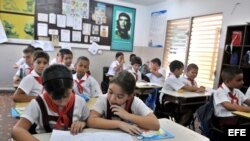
column 186, row 8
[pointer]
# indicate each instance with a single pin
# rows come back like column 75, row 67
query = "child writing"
column 31, row 85
column 57, row 108
column 118, row 65
column 84, row 83
column 229, row 98
column 25, row 68
column 136, row 63
column 189, row 78
column 121, row 104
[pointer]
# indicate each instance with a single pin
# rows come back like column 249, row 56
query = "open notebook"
column 155, row 135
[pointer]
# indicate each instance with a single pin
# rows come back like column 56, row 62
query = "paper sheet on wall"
column 86, row 29
column 77, row 23
column 3, row 37
column 157, row 29
column 42, row 17
column 93, row 48
column 58, row 135
column 70, row 21
column 53, row 32
column 61, row 21
column 65, row 35
column 42, row 29
column 52, row 18
column 76, row 36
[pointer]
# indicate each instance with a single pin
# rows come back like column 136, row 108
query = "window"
column 200, row 45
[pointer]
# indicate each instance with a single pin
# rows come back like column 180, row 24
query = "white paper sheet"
column 42, row 29
column 77, row 23
column 76, row 36
column 42, row 17
column 61, row 21
column 58, row 135
column 65, row 35
column 70, row 21
column 3, row 37
column 53, row 32
column 52, row 18
column 86, row 29
column 93, row 48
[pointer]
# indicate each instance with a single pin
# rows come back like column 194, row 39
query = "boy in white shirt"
column 31, row 85
column 67, row 58
column 117, row 66
column 84, row 84
column 120, row 109
column 136, row 63
column 229, row 98
column 58, row 59
column 57, row 108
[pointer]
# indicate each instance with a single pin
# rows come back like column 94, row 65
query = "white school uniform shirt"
column 138, row 107
column 172, row 83
column 155, row 79
column 30, row 85
column 34, row 115
column 90, row 86
column 248, row 93
column 188, row 82
column 132, row 71
column 221, row 95
column 26, row 69
column 20, row 61
column 111, row 70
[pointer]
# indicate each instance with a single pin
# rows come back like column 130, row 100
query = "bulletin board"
column 76, row 23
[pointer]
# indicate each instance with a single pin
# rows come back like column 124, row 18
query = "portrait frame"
column 123, row 32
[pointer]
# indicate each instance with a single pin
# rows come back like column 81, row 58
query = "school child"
column 118, row 65
column 56, row 108
column 189, row 78
column 131, row 57
column 67, row 57
column 228, row 98
column 120, row 109
column 84, row 84
column 31, row 85
column 174, row 83
column 156, row 75
column 58, row 59
column 136, row 63
column 26, row 68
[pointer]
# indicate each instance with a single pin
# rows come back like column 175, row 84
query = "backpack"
column 204, row 115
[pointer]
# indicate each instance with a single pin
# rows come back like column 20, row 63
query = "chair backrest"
column 104, row 71
column 105, row 80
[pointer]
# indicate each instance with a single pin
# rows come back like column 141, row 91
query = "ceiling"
column 143, row 2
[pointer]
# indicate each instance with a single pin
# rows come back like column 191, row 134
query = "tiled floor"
column 6, row 121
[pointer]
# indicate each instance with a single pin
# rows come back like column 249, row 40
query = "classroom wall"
column 186, row 8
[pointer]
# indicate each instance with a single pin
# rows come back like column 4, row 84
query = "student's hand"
column 201, row 90
column 131, row 129
column 119, row 111
column 77, row 126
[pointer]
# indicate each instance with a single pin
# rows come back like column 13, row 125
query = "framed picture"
column 123, row 28
column 18, row 26
column 18, row 6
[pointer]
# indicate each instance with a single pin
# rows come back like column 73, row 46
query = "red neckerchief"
column 79, row 84
column 192, row 82
column 30, row 69
column 63, row 118
column 39, row 79
column 136, row 76
column 234, row 98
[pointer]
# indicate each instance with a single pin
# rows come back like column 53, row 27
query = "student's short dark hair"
column 118, row 54
column 126, row 81
column 175, row 65
column 28, row 50
column 65, row 51
column 40, row 54
column 230, row 73
column 57, row 79
column 82, row 58
column 192, row 66
column 156, row 61
column 131, row 57
column 136, row 60
column 38, row 49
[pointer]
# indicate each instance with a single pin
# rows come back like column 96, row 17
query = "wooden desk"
column 180, row 133
column 142, row 87
column 242, row 114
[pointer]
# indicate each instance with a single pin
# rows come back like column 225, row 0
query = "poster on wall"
column 157, row 29
column 123, row 28
column 18, row 26
column 18, row 6
column 78, row 8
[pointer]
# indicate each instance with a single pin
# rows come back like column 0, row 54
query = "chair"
column 105, row 80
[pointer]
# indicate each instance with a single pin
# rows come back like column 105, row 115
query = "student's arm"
column 193, row 89
column 117, row 67
column 95, row 121
column 247, row 102
column 156, row 73
column 235, row 107
column 20, row 131
column 20, row 96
